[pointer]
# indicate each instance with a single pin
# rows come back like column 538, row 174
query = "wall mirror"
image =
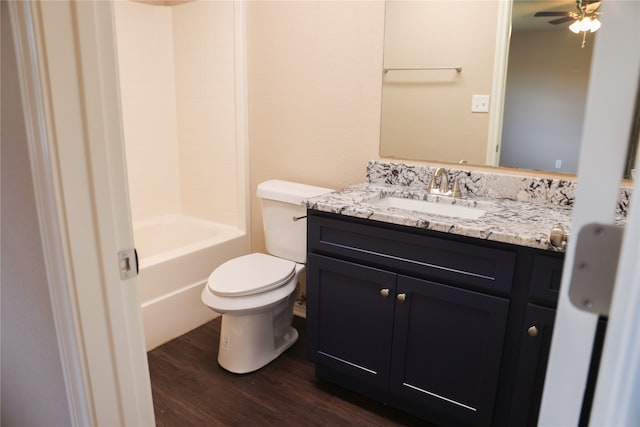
column 535, row 77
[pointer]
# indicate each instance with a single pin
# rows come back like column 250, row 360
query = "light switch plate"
column 479, row 103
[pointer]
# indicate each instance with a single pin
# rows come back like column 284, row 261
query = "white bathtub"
column 176, row 255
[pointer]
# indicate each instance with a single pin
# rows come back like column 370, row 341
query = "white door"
column 67, row 66
column 610, row 104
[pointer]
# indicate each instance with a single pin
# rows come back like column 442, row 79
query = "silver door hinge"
column 128, row 263
column 595, row 266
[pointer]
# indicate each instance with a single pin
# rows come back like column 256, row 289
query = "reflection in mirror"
column 547, row 83
column 426, row 111
column 426, row 114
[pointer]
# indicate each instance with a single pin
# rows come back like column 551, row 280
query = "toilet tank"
column 281, row 202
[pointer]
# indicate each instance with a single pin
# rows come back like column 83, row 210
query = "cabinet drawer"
column 546, row 276
column 423, row 256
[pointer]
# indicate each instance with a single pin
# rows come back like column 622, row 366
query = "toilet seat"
column 250, row 274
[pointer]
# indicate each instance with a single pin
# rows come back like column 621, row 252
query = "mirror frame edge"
column 499, row 83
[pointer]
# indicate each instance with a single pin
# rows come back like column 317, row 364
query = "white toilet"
column 255, row 293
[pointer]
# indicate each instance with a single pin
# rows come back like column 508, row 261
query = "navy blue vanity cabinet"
column 532, row 365
column 453, row 329
column 535, row 338
column 447, row 348
column 412, row 319
column 352, row 318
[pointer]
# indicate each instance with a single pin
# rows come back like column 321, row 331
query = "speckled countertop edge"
column 507, row 221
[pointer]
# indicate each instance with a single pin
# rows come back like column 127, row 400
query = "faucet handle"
column 456, row 188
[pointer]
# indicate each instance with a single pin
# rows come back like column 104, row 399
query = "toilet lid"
column 250, row 274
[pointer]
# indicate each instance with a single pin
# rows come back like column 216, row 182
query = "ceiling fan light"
column 575, row 27
column 595, row 25
column 585, row 24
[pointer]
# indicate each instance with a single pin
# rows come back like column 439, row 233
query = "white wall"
column 32, row 384
column 178, row 94
column 147, row 85
column 545, row 98
column 314, row 92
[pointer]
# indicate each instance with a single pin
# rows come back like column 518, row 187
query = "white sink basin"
column 444, row 209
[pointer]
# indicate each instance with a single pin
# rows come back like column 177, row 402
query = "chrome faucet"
column 443, row 189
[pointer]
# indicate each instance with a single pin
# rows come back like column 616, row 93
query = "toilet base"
column 247, row 343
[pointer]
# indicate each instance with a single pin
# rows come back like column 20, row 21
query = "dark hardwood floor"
column 191, row 389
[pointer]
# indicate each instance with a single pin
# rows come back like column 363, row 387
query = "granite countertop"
column 508, row 221
column 520, row 210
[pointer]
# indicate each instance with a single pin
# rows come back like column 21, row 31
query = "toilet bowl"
column 256, row 293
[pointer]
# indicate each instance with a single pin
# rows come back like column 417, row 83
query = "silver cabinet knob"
column 401, row 297
column 533, row 331
column 558, row 236
column 384, row 292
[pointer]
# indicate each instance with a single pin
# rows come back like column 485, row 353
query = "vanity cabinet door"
column 532, row 365
column 350, row 318
column 447, row 349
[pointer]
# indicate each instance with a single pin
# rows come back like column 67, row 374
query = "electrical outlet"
column 479, row 103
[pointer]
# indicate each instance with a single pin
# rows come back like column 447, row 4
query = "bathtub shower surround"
column 177, row 254
column 184, row 141
column 163, row 238
column 178, row 103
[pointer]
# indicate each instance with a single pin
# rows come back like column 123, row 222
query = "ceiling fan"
column 584, row 20
column 585, row 9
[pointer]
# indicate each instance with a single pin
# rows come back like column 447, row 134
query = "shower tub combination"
column 177, row 253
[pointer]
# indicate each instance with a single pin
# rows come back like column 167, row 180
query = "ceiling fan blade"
column 552, row 14
column 592, row 7
column 562, row 20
